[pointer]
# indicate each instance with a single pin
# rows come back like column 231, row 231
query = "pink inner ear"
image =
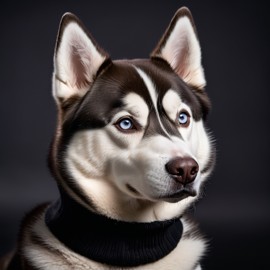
column 77, row 59
column 181, row 59
column 182, row 50
column 180, row 47
column 79, row 72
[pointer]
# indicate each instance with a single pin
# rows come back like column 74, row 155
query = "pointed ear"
column 180, row 47
column 77, row 59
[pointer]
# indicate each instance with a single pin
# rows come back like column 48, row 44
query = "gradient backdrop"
column 234, row 35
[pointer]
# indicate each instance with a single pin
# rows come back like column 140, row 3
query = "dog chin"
column 179, row 195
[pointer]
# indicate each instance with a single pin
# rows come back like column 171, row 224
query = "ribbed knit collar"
column 109, row 241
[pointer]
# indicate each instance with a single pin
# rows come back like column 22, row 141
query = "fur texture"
column 130, row 145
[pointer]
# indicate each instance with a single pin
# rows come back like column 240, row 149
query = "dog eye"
column 125, row 124
column 184, row 119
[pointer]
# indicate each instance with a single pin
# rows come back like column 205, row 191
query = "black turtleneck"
column 109, row 241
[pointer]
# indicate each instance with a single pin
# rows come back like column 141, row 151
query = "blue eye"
column 183, row 118
column 125, row 124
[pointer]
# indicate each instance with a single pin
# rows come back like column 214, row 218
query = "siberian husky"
column 130, row 156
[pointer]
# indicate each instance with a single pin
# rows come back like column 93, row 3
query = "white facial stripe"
column 173, row 104
column 153, row 94
column 137, row 107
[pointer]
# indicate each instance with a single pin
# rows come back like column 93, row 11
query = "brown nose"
column 184, row 170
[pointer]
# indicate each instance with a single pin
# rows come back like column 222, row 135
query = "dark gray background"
column 234, row 35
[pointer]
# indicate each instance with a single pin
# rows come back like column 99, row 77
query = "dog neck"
column 109, row 241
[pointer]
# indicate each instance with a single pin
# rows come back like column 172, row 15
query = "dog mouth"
column 172, row 197
column 179, row 195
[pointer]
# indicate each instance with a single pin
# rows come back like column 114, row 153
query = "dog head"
column 131, row 141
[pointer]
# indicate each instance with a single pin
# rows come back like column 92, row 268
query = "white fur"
column 136, row 108
column 104, row 161
column 171, row 103
column 153, row 94
column 74, row 45
column 142, row 167
column 182, row 51
column 194, row 135
column 183, row 257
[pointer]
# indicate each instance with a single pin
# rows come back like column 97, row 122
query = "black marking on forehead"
column 119, row 78
column 105, row 98
column 164, row 78
column 155, row 128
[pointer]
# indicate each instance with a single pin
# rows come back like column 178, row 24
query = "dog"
column 130, row 155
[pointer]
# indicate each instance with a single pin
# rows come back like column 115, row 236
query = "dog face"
column 131, row 133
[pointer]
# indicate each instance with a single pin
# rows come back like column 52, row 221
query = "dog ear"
column 77, row 59
column 180, row 47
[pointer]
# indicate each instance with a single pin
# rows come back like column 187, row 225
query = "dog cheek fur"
column 84, row 157
column 200, row 144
